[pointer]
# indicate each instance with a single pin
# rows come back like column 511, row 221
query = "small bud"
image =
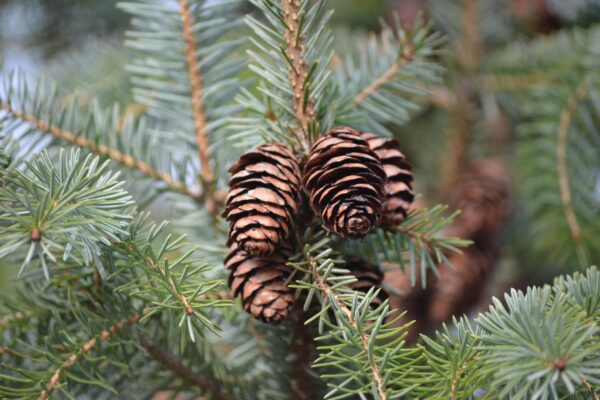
column 36, row 235
column 189, row 310
column 560, row 363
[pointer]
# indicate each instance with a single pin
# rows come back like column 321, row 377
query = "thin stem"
column 196, row 89
column 405, row 57
column 18, row 316
column 364, row 337
column 295, row 51
column 470, row 50
column 301, row 337
column 561, row 153
column 440, row 97
column 511, row 82
column 84, row 349
column 460, row 128
column 170, row 362
column 102, row 150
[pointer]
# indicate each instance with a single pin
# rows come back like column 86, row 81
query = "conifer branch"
column 298, row 71
column 102, row 150
column 363, row 336
column 196, row 89
column 405, row 57
column 170, row 362
column 84, row 349
column 561, row 153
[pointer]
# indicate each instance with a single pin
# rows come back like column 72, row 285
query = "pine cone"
column 368, row 276
column 264, row 197
column 409, row 304
column 345, row 181
column 457, row 290
column 261, row 282
column 398, row 188
column 483, row 196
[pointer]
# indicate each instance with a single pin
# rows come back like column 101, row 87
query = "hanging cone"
column 483, row 196
column 263, row 199
column 457, row 290
column 345, row 181
column 367, row 276
column 398, row 187
column 261, row 282
column 409, row 303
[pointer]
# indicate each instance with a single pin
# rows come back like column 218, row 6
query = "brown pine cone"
column 456, row 290
column 264, row 197
column 345, row 181
column 261, row 282
column 368, row 276
column 483, row 196
column 398, row 188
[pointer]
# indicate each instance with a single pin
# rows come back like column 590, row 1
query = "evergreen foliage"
column 111, row 303
column 558, row 138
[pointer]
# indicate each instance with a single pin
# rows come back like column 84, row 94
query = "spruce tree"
column 299, row 260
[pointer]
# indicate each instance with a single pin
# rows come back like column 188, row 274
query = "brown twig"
column 102, row 150
column 470, row 37
column 195, row 79
column 298, row 72
column 591, row 389
column 561, row 154
column 19, row 315
column 384, row 78
column 170, row 362
column 299, row 346
column 84, row 349
column 440, row 97
column 511, row 82
column 364, row 337
column 455, row 157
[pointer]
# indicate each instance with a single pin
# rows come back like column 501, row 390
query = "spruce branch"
column 350, row 326
column 186, row 73
column 171, row 279
column 299, row 69
column 418, row 244
column 365, row 339
column 388, row 81
column 557, row 126
column 406, row 55
column 561, row 154
column 100, row 149
column 538, row 344
column 452, row 368
column 196, row 88
column 170, row 362
column 292, row 60
column 72, row 205
column 84, row 349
